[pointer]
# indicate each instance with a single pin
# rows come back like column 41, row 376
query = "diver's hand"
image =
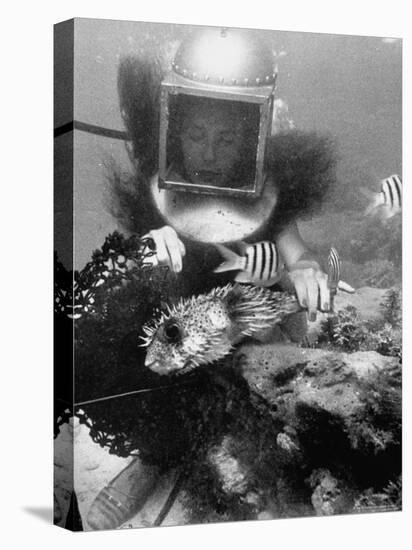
column 311, row 286
column 170, row 250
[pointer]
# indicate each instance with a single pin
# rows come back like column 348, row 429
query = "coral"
column 345, row 331
column 388, row 499
column 330, row 495
column 391, row 307
column 284, row 432
column 379, row 424
column 348, row 331
column 336, row 412
column 127, row 408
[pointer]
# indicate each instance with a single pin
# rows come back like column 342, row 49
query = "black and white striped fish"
column 334, row 273
column 257, row 263
column 389, row 199
column 334, row 266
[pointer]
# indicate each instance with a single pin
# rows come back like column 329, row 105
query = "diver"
column 213, row 173
column 208, row 172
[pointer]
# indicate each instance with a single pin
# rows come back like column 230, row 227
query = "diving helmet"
column 215, row 114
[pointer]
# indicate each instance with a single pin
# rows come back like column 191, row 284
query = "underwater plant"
column 347, row 331
column 391, row 307
column 344, row 331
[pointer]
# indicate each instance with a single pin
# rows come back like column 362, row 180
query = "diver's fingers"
column 153, row 258
column 313, row 295
column 345, row 287
column 175, row 257
column 161, row 250
column 182, row 248
column 324, row 293
column 301, row 291
column 174, row 249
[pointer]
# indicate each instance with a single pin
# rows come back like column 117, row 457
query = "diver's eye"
column 172, row 333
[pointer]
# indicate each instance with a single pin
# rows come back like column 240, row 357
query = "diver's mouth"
column 208, row 176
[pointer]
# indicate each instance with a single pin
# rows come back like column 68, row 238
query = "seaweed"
column 391, row 307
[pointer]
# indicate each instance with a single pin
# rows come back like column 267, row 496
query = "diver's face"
column 211, row 144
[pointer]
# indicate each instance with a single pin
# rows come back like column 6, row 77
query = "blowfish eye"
column 172, row 332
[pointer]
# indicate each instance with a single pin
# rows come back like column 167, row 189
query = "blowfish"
column 389, row 198
column 258, row 263
column 202, row 329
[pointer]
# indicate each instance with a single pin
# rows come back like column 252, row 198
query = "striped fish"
column 389, row 198
column 334, row 272
column 257, row 263
column 334, row 267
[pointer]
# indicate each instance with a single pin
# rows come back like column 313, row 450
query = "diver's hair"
column 128, row 199
column 138, row 82
column 302, row 165
column 138, row 85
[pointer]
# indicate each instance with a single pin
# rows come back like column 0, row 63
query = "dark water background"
column 347, row 86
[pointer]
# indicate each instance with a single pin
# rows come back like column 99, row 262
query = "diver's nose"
column 209, row 151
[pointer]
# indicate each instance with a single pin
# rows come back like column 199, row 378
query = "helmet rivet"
column 254, row 59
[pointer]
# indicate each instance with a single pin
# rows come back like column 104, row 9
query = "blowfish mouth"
column 156, row 366
column 159, row 368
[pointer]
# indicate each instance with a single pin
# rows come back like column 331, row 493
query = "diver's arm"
column 292, row 247
column 305, row 271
